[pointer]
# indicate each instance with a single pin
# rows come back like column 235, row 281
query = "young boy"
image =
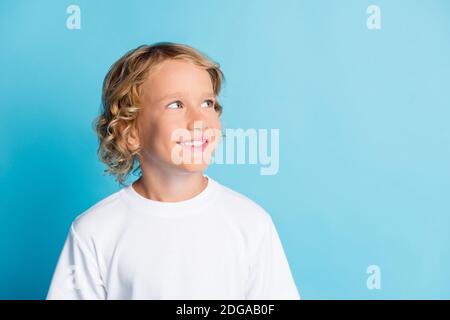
column 174, row 233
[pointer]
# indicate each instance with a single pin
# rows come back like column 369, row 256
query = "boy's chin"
column 192, row 163
column 193, row 168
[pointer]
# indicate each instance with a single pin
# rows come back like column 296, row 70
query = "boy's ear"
column 133, row 139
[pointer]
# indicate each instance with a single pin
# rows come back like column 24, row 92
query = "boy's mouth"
column 195, row 144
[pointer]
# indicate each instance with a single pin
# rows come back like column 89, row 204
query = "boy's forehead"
column 179, row 94
column 174, row 78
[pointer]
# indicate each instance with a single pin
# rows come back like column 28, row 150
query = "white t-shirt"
column 217, row 245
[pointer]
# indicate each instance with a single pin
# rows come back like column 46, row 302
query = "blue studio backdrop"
column 359, row 91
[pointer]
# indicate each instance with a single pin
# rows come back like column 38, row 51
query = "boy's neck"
column 170, row 187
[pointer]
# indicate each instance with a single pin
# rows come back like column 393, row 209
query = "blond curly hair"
column 121, row 103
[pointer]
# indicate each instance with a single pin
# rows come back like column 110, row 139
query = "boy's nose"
column 195, row 118
column 197, row 125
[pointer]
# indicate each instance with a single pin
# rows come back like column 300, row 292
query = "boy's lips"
column 194, row 144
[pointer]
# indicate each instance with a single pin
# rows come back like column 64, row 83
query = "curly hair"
column 121, row 104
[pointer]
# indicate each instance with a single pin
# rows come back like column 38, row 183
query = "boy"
column 174, row 233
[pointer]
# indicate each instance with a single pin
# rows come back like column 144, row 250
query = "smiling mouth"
column 197, row 144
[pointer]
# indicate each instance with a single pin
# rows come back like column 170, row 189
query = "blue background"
column 363, row 114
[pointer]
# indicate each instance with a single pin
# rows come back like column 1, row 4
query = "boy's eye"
column 208, row 103
column 174, row 105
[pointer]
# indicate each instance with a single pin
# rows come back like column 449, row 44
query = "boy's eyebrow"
column 177, row 94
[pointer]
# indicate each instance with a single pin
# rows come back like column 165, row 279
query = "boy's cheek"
column 214, row 134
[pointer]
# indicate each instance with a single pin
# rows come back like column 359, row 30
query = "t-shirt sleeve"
column 270, row 277
column 77, row 275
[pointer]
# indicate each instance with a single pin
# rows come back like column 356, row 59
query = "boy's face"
column 178, row 127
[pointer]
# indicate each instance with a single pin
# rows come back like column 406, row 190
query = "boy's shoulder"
column 242, row 207
column 245, row 214
column 102, row 215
